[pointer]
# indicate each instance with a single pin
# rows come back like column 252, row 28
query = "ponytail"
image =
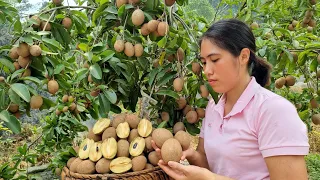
column 260, row 69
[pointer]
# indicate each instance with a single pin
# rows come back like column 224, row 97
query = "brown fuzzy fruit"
column 137, row 17
column 314, row 104
column 309, row 13
column 138, row 50
column 178, row 84
column 171, row 150
column 101, row 125
column 65, row 109
column 84, row 148
column 53, row 87
column 204, row 91
column 254, row 25
column 58, row 112
column 67, row 22
column 23, row 50
column 144, row 128
column 179, row 126
column 16, row 65
column 119, row 45
column 93, row 136
column 192, row 117
column 74, row 164
column 35, row 50
column 37, row 23
column 313, row 2
column 186, row 109
column 27, row 72
column 57, row 2
column 295, row 56
column 180, row 54
column 103, row 166
column 137, row 146
column 133, row 2
column 291, row 27
column 70, row 99
column 279, row 83
column 182, row 102
column 169, row 2
column 160, row 135
column 294, row 23
column 153, row 25
column 2, row 79
column 70, row 161
column 196, row 68
column 36, row 102
column 86, row 167
column 109, row 132
column 120, row 165
column 312, row 23
column 13, row 108
column 149, row 166
column 65, row 98
column 95, row 93
column 139, row 163
column 13, row 54
column 316, row 119
column 133, row 134
column 123, row 148
column 290, row 80
column 109, row 148
column 201, row 112
column 133, row 120
column 43, row 25
column 309, row 29
column 86, row 65
column 184, row 139
column 24, row 61
column 128, row 49
column 144, row 29
column 165, row 116
column 153, row 158
column 148, row 144
column 163, row 28
column 119, row 118
column 119, row 3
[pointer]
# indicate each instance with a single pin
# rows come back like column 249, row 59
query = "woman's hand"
column 189, row 172
column 185, row 154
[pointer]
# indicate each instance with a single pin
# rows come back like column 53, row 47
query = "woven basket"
column 150, row 174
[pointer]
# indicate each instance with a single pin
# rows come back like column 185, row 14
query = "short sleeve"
column 280, row 129
column 208, row 109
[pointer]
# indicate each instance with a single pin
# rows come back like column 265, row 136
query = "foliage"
column 313, row 166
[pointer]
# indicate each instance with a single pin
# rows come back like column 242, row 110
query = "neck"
column 234, row 94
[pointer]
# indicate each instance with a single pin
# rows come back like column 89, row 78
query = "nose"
column 208, row 69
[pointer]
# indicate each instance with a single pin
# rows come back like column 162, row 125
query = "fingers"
column 156, row 148
column 171, row 172
column 178, row 167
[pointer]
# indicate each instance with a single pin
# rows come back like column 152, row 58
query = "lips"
column 212, row 81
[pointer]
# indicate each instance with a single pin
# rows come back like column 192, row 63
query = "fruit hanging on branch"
column 137, row 17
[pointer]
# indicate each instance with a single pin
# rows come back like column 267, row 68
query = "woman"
column 251, row 133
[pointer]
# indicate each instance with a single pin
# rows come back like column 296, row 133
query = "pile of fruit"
column 124, row 145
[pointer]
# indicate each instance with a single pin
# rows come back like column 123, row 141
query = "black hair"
column 233, row 35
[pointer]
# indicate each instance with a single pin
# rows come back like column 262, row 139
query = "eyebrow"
column 212, row 54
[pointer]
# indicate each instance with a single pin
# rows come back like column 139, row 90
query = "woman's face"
column 220, row 66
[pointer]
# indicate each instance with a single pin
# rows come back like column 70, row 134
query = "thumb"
column 177, row 166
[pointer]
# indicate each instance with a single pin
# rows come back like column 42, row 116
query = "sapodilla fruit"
column 160, row 135
column 13, row 54
column 16, row 65
column 254, row 25
column 35, row 50
column 133, row 120
column 74, row 164
column 192, row 117
column 86, row 167
column 144, row 29
column 2, row 79
column 101, row 125
column 148, row 147
column 178, row 84
column 84, row 148
column 204, row 91
column 138, row 50
column 313, row 103
column 109, row 132
column 93, row 136
column 137, row 17
column 103, row 166
column 137, row 146
column 120, row 165
column 53, row 87
column 119, row 3
column 119, row 45
column 95, row 152
column 67, row 22
column 119, row 118
column 279, row 83
column 65, row 109
column 36, row 102
column 144, row 128
column 169, row 2
column 123, row 130
column 65, row 98
column 163, row 28
column 128, row 49
column 24, row 61
column 133, row 1
column 139, row 163
column 27, row 72
column 153, row 25
column 171, row 150
column 149, row 166
column 182, row 102
column 184, row 139
column 201, row 112
column 180, row 54
column 309, row 29
column 133, row 134
column 196, row 68
column 123, row 148
column 186, row 109
column 290, row 80
column 57, row 2
column 109, row 148
column 13, row 108
column 43, row 24
column 70, row 161
column 294, row 23
column 37, row 23
column 153, row 158
column 312, row 23
column 179, row 126
column 316, row 119
column 165, row 116
column 23, row 50
column 291, row 27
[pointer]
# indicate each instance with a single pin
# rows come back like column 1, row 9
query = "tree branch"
column 64, row 7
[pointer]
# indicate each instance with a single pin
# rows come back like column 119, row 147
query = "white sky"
column 37, row 4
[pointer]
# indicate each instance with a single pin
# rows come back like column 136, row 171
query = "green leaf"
column 162, row 43
column 14, row 97
column 111, row 95
column 58, row 68
column 168, row 93
column 106, row 55
column 104, row 105
column 97, row 13
column 17, row 26
column 81, row 74
column 52, row 42
column 7, row 63
column 166, row 78
column 43, row 33
column 162, row 124
column 314, row 65
column 95, row 71
column 17, row 73
column 121, row 11
column 152, row 76
column 112, row 9
column 10, row 121
column 192, row 129
column 212, row 93
column 22, row 91
column 114, row 108
column 84, row 47
column 31, row 78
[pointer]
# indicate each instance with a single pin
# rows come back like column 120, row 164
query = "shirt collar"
column 242, row 102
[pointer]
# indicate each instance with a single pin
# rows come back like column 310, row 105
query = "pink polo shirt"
column 261, row 124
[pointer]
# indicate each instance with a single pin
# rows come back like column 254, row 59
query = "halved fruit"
column 137, row 146
column 95, row 152
column 120, row 165
column 101, row 125
column 109, row 148
column 85, row 148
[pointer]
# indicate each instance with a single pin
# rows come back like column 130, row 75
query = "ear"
column 244, row 56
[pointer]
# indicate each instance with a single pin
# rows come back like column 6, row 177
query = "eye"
column 203, row 62
column 215, row 60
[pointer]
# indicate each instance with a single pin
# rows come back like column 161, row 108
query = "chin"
column 219, row 90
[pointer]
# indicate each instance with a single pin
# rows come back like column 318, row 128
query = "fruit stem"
column 124, row 27
column 64, row 7
column 48, row 20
